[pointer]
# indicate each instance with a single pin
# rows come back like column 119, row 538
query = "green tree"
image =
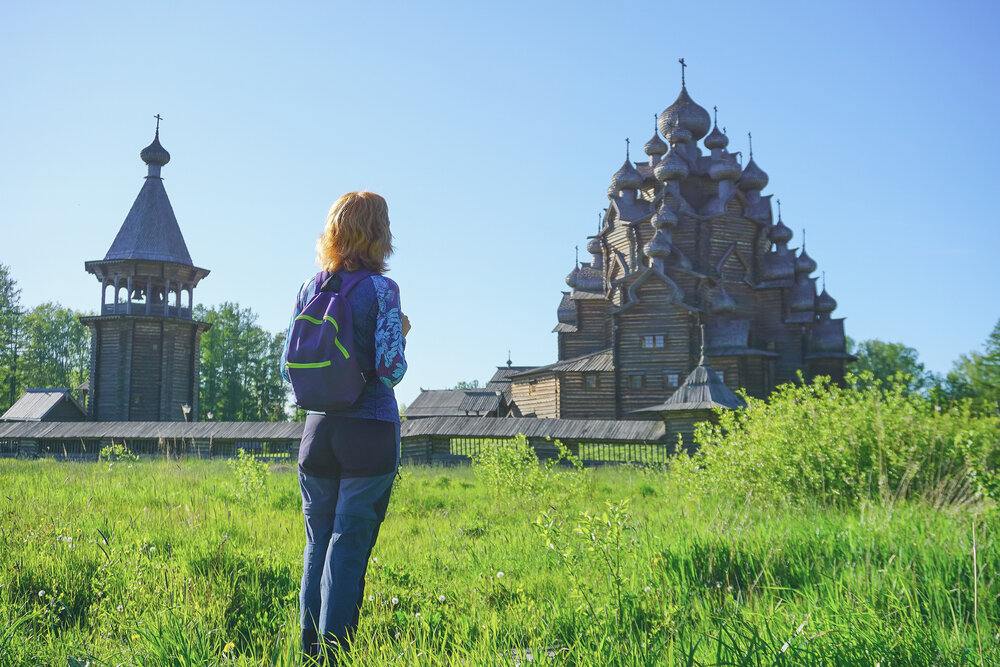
column 473, row 384
column 11, row 316
column 55, row 348
column 890, row 363
column 240, row 379
column 975, row 377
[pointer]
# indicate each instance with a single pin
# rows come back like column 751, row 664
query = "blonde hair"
column 356, row 235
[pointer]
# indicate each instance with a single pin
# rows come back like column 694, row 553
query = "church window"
column 636, row 380
column 591, row 381
column 653, row 341
column 672, row 379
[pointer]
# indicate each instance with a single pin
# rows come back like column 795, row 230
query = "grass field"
column 163, row 563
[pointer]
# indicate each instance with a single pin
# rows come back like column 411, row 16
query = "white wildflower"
column 395, row 601
column 440, row 598
column 119, row 608
column 647, row 588
column 417, row 614
column 41, row 594
column 371, row 598
column 499, row 575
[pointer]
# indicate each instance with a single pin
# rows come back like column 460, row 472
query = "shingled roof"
column 150, row 230
column 703, row 389
column 596, row 430
column 38, row 404
column 588, row 363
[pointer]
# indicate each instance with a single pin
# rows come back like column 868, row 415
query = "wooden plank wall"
column 593, row 332
column 654, row 314
column 541, row 401
column 580, row 402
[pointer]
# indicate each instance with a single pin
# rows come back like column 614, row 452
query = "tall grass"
column 164, row 564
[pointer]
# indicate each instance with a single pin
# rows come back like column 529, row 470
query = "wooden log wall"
column 593, row 332
column 580, row 401
column 538, row 396
column 653, row 315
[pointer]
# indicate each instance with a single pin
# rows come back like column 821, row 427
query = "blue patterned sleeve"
column 390, row 363
column 301, row 300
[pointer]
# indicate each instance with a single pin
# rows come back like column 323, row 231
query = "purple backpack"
column 326, row 373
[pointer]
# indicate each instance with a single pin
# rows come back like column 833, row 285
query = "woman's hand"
column 406, row 324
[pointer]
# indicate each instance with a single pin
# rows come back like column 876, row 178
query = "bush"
column 251, row 476
column 845, row 445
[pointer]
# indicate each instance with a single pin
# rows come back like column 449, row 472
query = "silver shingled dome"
column 753, row 178
column 687, row 113
column 154, row 153
column 626, row 178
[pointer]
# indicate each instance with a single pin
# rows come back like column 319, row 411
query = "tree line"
column 47, row 347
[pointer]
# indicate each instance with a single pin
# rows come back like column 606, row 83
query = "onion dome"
column 571, row 278
column 779, row 233
column 725, row 169
column 566, row 313
column 687, row 114
column 155, row 154
column 716, row 139
column 664, row 217
column 753, row 178
column 722, row 302
column 594, row 246
column 671, row 168
column 627, row 178
column 658, row 246
column 655, row 146
column 825, row 303
column 678, row 134
column 804, row 263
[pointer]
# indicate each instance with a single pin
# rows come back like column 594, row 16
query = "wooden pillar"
column 104, row 293
column 128, row 296
column 149, row 295
column 166, row 297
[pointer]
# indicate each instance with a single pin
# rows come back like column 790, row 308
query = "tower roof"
column 150, row 230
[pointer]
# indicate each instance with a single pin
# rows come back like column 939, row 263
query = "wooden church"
column 144, row 342
column 689, row 239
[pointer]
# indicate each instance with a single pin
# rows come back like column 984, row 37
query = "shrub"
column 117, row 453
column 251, row 476
column 846, row 444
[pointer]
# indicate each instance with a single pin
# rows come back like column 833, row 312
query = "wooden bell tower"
column 144, row 342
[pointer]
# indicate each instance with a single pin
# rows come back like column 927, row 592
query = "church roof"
column 703, row 389
column 588, row 363
column 501, row 379
column 37, row 404
column 150, row 230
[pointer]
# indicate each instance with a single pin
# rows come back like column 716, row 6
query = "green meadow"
column 192, row 563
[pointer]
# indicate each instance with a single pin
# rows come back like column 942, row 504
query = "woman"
column 349, row 458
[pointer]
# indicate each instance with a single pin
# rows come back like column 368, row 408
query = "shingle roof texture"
column 150, row 230
column 436, row 402
column 35, row 404
column 201, row 430
column 588, row 363
column 596, row 430
column 703, row 389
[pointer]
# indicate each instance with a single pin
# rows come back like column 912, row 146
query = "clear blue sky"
column 493, row 131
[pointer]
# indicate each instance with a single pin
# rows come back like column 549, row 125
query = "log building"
column 688, row 239
column 145, row 344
